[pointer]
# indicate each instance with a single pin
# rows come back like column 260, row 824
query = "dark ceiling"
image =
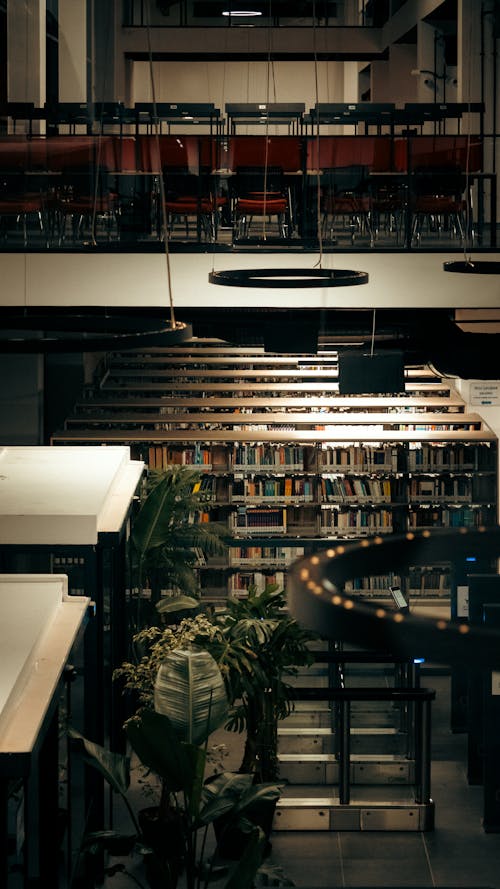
column 424, row 336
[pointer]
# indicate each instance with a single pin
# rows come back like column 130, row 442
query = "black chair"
column 346, row 203
column 262, row 193
column 439, row 203
column 84, row 201
column 388, row 205
column 190, row 198
column 18, row 205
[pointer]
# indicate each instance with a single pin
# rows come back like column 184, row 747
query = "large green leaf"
column 158, row 747
column 190, row 690
column 243, row 875
column 176, row 603
column 114, row 766
column 259, row 793
column 221, row 794
column 152, row 524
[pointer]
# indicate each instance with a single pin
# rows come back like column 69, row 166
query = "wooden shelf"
column 276, row 419
column 305, row 436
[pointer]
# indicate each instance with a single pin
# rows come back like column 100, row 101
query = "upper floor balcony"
column 134, row 181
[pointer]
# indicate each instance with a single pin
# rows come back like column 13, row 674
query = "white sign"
column 495, row 683
column 462, row 601
column 485, row 393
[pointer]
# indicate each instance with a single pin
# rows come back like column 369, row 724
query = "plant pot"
column 231, row 839
column 165, row 837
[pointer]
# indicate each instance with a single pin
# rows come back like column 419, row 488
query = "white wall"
column 221, row 82
column 396, row 280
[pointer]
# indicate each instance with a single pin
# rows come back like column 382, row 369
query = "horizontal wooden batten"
column 338, row 401
column 304, row 436
column 127, row 386
column 274, row 419
column 297, row 372
column 315, row 363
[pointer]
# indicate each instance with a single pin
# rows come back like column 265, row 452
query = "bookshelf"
column 287, row 464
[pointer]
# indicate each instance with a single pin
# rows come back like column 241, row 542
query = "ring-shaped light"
column 86, row 332
column 316, row 596
column 468, row 267
column 286, row 278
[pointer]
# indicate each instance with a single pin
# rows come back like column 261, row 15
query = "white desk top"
column 39, row 623
column 64, row 495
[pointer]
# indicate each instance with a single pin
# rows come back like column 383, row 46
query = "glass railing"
column 347, row 192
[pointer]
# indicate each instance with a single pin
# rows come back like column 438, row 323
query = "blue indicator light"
column 419, row 660
column 470, row 559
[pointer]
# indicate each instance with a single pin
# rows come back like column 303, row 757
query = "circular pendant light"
column 478, row 267
column 285, row 278
column 43, row 332
column 316, row 596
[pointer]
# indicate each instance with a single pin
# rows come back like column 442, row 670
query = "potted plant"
column 166, row 540
column 257, row 646
column 171, row 741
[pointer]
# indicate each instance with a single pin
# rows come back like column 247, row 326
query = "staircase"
column 355, row 756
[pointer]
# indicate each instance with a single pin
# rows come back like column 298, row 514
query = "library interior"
column 249, row 422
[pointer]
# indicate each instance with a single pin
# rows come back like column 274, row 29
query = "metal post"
column 423, row 753
column 344, row 752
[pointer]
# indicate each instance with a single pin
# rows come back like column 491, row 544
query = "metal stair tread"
column 326, row 732
column 354, row 757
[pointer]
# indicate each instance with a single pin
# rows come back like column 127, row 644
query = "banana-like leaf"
column 190, row 690
column 166, row 504
column 114, row 766
column 221, row 794
column 176, row 603
column 158, row 747
column 258, row 793
column 243, row 875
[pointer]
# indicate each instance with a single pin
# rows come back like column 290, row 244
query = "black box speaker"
column 382, row 373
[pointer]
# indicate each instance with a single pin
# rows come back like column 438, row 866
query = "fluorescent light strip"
column 240, row 13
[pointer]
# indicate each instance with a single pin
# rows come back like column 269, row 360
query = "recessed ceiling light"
column 240, row 13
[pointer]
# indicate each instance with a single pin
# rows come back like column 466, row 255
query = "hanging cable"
column 319, row 227
column 161, row 182
column 372, row 346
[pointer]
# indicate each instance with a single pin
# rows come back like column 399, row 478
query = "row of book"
column 163, row 456
column 206, row 488
column 435, row 457
column 288, row 486
column 273, row 456
column 241, row 583
column 282, row 555
column 265, row 520
column 461, row 517
column 379, row 583
column 361, row 458
column 362, row 520
column 450, row 487
column 341, row 488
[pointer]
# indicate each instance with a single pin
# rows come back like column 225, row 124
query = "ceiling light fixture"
column 476, row 267
column 89, row 330
column 276, row 278
column 316, row 597
column 240, row 13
